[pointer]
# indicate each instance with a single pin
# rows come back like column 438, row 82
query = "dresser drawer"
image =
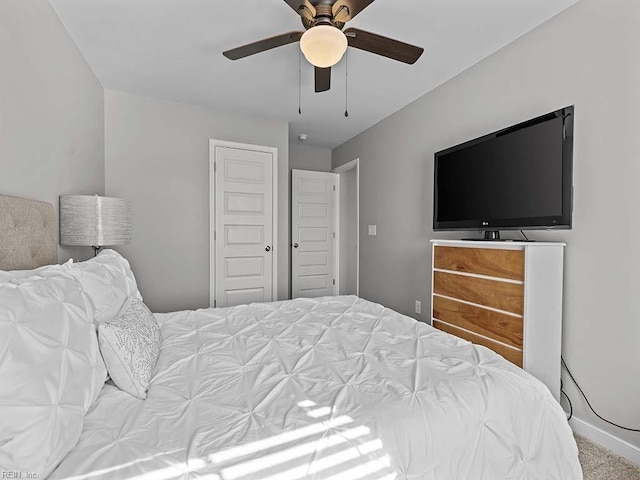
column 481, row 261
column 505, row 296
column 498, row 326
column 514, row 356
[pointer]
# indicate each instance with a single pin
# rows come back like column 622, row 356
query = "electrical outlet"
column 418, row 307
column 372, row 230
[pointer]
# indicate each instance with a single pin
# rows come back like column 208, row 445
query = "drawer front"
column 491, row 293
column 481, row 261
column 514, row 356
column 498, row 326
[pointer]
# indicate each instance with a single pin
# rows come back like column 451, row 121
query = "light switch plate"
column 372, row 230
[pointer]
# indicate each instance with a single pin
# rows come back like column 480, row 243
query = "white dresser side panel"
column 543, row 314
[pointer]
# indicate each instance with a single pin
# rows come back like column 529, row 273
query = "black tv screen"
column 517, row 178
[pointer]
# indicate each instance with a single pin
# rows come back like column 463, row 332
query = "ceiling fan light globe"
column 323, row 46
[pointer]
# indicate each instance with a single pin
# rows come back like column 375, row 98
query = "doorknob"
column 295, row 245
column 268, row 248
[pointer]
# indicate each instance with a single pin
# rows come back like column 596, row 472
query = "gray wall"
column 588, row 56
column 157, row 155
column 308, row 157
column 51, row 110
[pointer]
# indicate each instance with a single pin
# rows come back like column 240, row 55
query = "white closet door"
column 313, row 233
column 244, row 226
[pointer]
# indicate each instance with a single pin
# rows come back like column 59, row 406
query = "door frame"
column 213, row 143
column 340, row 170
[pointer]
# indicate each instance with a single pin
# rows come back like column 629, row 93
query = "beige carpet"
column 600, row 464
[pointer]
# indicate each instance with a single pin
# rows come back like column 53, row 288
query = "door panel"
column 317, row 235
column 314, row 258
column 244, row 267
column 245, row 172
column 243, row 226
column 314, row 186
column 313, row 282
column 244, row 296
column 243, row 204
column 313, row 229
column 244, row 234
column 310, row 210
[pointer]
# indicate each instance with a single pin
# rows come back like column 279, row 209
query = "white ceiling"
column 171, row 49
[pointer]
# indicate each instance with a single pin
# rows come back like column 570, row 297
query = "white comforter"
column 331, row 388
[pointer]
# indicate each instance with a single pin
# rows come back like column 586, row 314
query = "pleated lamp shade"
column 94, row 221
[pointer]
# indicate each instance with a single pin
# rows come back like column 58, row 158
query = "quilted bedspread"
column 331, row 388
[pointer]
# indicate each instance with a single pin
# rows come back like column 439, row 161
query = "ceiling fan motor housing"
column 324, row 16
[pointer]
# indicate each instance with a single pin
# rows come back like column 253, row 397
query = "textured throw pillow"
column 51, row 371
column 108, row 280
column 130, row 344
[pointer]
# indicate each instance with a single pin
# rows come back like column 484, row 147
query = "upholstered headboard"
column 27, row 234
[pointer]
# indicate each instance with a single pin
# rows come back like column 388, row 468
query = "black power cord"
column 587, row 400
column 568, row 401
column 525, row 237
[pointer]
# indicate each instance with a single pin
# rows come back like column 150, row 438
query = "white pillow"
column 109, row 282
column 130, row 344
column 44, row 272
column 51, row 371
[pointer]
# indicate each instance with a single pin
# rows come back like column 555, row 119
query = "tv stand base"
column 489, row 236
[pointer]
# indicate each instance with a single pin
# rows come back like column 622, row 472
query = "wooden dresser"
column 506, row 296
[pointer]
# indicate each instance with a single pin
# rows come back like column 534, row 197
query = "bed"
column 330, row 388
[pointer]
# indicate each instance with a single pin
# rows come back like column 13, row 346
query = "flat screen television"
column 518, row 178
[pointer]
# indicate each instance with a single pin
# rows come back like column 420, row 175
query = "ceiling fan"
column 324, row 42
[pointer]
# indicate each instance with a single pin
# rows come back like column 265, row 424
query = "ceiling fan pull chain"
column 346, row 84
column 299, row 82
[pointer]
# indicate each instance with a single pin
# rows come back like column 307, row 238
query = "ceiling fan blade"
column 262, row 45
column 387, row 47
column 346, row 10
column 304, row 8
column 323, row 79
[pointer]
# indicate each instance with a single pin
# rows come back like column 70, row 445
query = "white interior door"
column 348, row 237
column 244, row 226
column 313, row 233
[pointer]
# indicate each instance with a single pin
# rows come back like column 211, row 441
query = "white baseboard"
column 608, row 441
